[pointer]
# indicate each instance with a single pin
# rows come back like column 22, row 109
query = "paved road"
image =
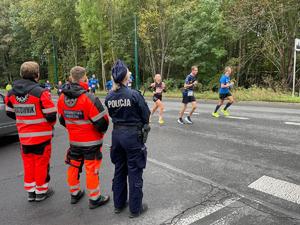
column 240, row 170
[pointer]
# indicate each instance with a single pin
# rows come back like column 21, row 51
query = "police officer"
column 130, row 116
column 35, row 114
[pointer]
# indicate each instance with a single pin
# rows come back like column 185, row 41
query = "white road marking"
column 292, row 123
column 278, row 188
column 221, row 186
column 206, row 212
column 195, row 113
column 237, row 117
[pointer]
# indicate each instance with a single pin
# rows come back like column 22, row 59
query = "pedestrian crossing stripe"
column 278, row 188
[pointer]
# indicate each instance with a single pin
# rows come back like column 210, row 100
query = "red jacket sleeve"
column 60, row 110
column 9, row 108
column 98, row 115
column 48, row 107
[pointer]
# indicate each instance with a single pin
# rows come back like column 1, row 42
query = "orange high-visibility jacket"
column 32, row 108
column 83, row 115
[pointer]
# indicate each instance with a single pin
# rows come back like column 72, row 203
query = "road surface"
column 239, row 170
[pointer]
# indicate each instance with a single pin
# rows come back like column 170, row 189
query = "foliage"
column 254, row 37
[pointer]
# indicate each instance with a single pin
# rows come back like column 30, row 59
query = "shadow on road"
column 7, row 140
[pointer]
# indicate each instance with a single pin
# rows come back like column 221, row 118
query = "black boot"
column 102, row 200
column 31, row 196
column 144, row 208
column 76, row 198
column 119, row 210
column 42, row 197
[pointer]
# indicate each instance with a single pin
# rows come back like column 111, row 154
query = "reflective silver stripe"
column 30, row 189
column 9, row 109
column 36, row 121
column 41, row 192
column 78, row 122
column 93, row 191
column 29, row 184
column 43, row 186
column 86, row 143
column 49, row 110
column 35, row 134
column 75, row 193
column 75, row 187
column 99, row 116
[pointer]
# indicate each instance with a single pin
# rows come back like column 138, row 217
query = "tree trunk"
column 102, row 61
column 74, row 51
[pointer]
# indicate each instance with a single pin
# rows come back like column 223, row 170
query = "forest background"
column 255, row 37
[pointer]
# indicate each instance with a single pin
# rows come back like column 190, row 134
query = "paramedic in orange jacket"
column 35, row 114
column 86, row 121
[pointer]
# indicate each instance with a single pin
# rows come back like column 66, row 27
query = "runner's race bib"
column 190, row 93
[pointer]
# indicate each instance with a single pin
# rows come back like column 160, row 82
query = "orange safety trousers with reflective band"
column 36, row 170
column 92, row 168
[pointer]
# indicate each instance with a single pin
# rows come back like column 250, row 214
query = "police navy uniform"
column 129, row 112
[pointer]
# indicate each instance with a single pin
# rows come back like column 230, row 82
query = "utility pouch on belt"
column 69, row 162
column 145, row 130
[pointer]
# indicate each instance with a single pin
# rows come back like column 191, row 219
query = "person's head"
column 120, row 72
column 93, row 76
column 194, row 70
column 78, row 74
column 157, row 78
column 59, row 83
column 48, row 81
column 30, row 70
column 228, row 70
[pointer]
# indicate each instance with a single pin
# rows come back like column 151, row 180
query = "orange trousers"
column 36, row 167
column 92, row 168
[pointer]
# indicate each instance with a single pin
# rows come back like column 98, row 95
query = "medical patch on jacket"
column 22, row 99
column 72, row 114
column 70, row 102
column 25, row 109
column 118, row 103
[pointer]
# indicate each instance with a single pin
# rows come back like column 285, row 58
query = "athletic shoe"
column 188, row 120
column 76, row 198
column 225, row 112
column 161, row 121
column 44, row 196
column 102, row 200
column 143, row 210
column 215, row 114
column 180, row 121
column 31, row 196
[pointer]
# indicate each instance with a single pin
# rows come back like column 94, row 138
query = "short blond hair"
column 194, row 67
column 30, row 70
column 227, row 68
column 77, row 73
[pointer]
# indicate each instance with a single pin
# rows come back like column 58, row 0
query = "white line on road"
column 206, row 212
column 292, row 123
column 237, row 117
column 195, row 113
column 278, row 188
column 221, row 186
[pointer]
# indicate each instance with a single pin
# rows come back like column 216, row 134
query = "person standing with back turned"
column 130, row 117
column 35, row 114
column 86, row 120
